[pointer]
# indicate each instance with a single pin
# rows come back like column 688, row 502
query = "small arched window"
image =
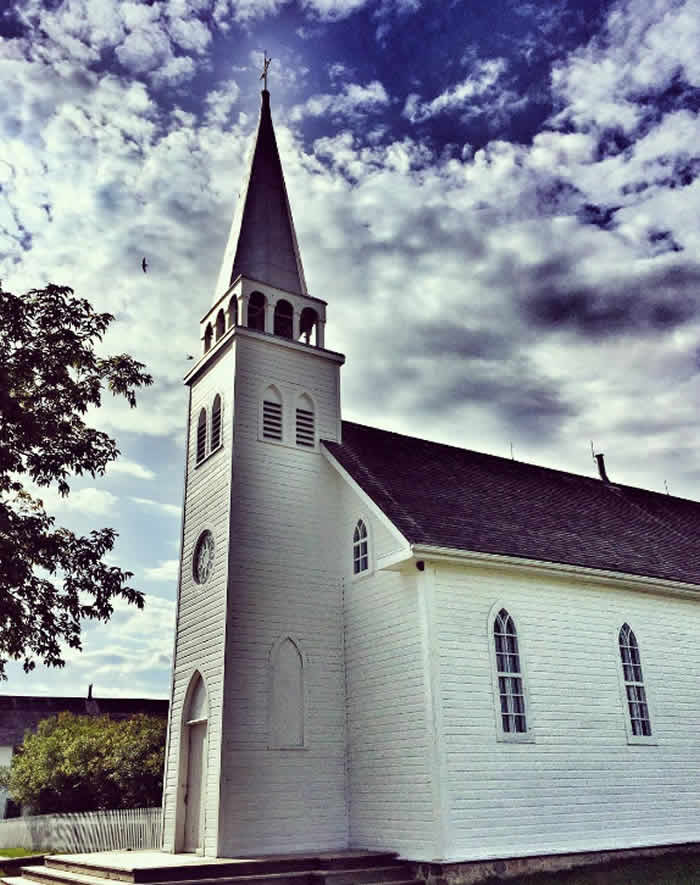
column 220, row 324
column 306, row 432
column 256, row 312
column 216, row 423
column 284, row 319
column 202, row 435
column 360, row 548
column 233, row 312
column 308, row 321
column 272, row 414
column 510, row 678
column 207, row 337
column 637, row 707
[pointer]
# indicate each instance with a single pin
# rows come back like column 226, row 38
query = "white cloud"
column 479, row 93
column 170, row 509
column 219, row 102
column 166, row 571
column 352, row 102
column 130, row 468
column 87, row 501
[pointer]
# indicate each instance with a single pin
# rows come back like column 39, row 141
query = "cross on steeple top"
column 266, row 65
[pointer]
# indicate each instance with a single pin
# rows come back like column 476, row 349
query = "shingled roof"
column 449, row 497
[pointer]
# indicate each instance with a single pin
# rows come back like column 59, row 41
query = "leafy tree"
column 50, row 374
column 90, row 763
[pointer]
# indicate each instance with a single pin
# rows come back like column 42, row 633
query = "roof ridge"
column 529, row 464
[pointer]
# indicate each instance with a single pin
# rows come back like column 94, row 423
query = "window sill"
column 362, row 576
column 634, row 740
column 518, row 738
column 295, row 749
column 288, row 445
column 209, row 455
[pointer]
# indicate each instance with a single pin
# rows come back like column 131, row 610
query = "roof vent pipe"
column 600, row 458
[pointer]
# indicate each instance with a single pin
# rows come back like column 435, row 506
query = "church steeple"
column 262, row 244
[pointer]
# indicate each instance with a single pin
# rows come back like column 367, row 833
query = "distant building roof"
column 19, row 713
column 449, row 497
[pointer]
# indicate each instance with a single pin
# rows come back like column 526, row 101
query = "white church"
column 393, row 645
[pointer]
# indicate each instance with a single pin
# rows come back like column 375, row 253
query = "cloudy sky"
column 500, row 201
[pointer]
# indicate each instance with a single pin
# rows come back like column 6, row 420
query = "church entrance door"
column 195, row 791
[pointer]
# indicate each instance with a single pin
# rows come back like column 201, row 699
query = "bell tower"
column 255, row 761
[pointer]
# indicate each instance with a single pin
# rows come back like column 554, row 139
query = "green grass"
column 17, row 852
column 675, row 869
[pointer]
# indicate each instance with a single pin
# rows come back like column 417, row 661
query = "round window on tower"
column 203, row 559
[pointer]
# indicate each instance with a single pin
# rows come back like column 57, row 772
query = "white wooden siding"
column 201, row 609
column 391, row 802
column 580, row 786
column 284, row 580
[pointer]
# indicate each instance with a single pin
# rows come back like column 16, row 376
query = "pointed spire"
column 262, row 244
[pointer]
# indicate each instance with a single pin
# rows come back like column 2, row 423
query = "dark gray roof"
column 450, row 497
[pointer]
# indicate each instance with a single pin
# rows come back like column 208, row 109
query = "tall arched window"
column 216, row 423
column 272, row 414
column 207, row 337
column 308, row 321
column 220, row 324
column 233, row 312
column 284, row 319
column 256, row 312
column 306, row 432
column 637, row 706
column 360, row 548
column 510, row 679
column 202, row 435
column 286, row 696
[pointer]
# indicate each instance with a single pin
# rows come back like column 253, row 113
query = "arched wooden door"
column 195, row 742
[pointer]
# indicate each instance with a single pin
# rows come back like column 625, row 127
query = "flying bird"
column 189, row 356
column 144, row 265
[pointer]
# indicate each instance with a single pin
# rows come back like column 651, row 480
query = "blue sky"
column 499, row 201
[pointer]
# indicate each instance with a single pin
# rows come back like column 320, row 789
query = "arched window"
column 510, row 679
column 306, row 434
column 256, row 312
column 286, row 696
column 637, row 707
column 233, row 312
column 216, row 423
column 202, row 435
column 207, row 337
column 308, row 321
column 272, row 414
column 220, row 324
column 360, row 548
column 284, row 319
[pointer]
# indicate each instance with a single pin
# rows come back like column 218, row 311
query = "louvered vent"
column 305, row 428
column 272, row 420
column 201, row 436
column 216, row 424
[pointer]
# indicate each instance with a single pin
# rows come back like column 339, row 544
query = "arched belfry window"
column 511, row 693
column 308, row 321
column 272, row 414
column 305, row 429
column 286, row 695
column 637, row 706
column 284, row 319
column 208, row 333
column 216, row 423
column 220, row 324
column 233, row 312
column 256, row 311
column 202, row 435
column 360, row 548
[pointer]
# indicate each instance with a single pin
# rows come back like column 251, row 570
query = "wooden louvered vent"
column 305, row 428
column 272, row 420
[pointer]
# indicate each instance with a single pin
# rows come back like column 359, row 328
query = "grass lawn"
column 17, row 852
column 678, row 869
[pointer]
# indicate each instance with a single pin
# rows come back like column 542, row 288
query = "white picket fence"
column 89, row 831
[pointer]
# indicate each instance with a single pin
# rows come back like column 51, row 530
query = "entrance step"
column 157, row 868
